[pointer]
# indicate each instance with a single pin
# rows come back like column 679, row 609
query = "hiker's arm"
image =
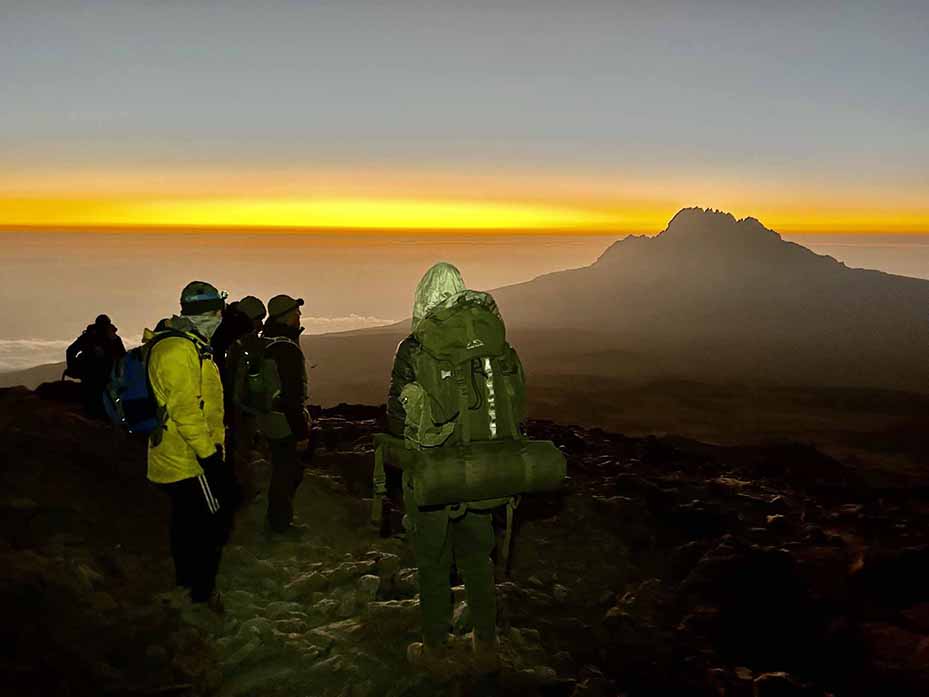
column 401, row 376
column 291, row 368
column 74, row 349
column 176, row 370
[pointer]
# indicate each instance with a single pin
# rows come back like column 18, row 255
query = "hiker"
column 236, row 323
column 185, row 454
column 426, row 398
column 280, row 377
column 91, row 357
column 242, row 426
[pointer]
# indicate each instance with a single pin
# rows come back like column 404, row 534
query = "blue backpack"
column 128, row 398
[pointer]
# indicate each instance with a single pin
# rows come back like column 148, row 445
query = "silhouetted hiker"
column 278, row 391
column 242, row 425
column 436, row 402
column 185, row 456
column 236, row 322
column 90, row 359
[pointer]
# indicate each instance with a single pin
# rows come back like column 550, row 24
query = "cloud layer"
column 21, row 354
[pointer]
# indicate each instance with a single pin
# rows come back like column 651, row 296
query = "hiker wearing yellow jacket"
column 185, row 454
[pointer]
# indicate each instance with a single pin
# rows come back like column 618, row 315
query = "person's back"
column 90, row 358
column 240, row 419
column 425, row 404
column 185, row 454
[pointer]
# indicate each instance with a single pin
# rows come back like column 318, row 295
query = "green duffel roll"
column 484, row 470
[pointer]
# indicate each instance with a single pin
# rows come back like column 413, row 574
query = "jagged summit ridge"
column 707, row 229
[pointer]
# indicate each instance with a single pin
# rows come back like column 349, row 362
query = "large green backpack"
column 471, row 374
column 474, row 384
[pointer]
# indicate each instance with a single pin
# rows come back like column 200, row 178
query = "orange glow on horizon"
column 420, row 201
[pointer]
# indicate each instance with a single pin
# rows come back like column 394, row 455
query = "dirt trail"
column 666, row 566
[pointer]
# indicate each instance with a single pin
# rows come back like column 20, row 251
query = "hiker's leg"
column 473, row 540
column 244, row 464
column 204, row 532
column 240, row 438
column 431, row 545
column 284, row 464
column 181, row 550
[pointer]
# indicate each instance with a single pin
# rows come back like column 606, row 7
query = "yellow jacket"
column 190, row 391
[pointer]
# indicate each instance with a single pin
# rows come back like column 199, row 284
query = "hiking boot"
column 206, row 615
column 486, row 659
column 215, row 603
column 434, row 661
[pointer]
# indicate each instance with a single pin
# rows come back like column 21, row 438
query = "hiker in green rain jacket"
column 440, row 535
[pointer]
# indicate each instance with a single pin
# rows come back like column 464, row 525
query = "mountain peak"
column 706, row 229
column 715, row 225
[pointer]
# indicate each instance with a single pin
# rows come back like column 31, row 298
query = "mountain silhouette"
column 716, row 297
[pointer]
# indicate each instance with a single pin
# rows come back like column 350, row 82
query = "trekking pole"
column 380, row 486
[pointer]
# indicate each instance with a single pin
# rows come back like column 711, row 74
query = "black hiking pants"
column 286, row 475
column 199, row 529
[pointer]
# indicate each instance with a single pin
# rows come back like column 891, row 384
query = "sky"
column 584, row 116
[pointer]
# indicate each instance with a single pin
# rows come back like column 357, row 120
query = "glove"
column 213, row 464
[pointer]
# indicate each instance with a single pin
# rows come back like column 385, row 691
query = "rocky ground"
column 665, row 567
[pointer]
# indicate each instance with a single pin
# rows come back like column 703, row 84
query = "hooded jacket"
column 441, row 284
column 186, row 384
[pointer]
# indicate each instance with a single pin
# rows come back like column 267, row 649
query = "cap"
column 199, row 297
column 252, row 307
column 282, row 304
column 102, row 321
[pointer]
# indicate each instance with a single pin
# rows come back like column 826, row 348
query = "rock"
column 366, row 589
column 777, row 523
column 393, row 617
column 346, row 606
column 242, row 655
column 540, row 599
column 282, row 608
column 291, row 626
column 461, row 619
column 334, row 664
column 459, row 594
column 348, row 571
column 238, row 598
column 560, row 593
column 255, row 627
column 387, row 565
column 776, row 685
column 305, row 586
column 327, row 607
column 406, row 584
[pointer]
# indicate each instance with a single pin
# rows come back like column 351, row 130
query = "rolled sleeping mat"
column 484, row 470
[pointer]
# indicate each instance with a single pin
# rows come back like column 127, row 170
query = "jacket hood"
column 439, row 284
column 181, row 323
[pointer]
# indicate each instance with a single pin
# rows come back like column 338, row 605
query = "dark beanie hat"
column 252, row 307
column 199, row 297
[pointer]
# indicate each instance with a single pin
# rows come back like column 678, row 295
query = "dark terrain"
column 665, row 567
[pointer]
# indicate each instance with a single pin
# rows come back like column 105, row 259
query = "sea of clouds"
column 20, row 354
